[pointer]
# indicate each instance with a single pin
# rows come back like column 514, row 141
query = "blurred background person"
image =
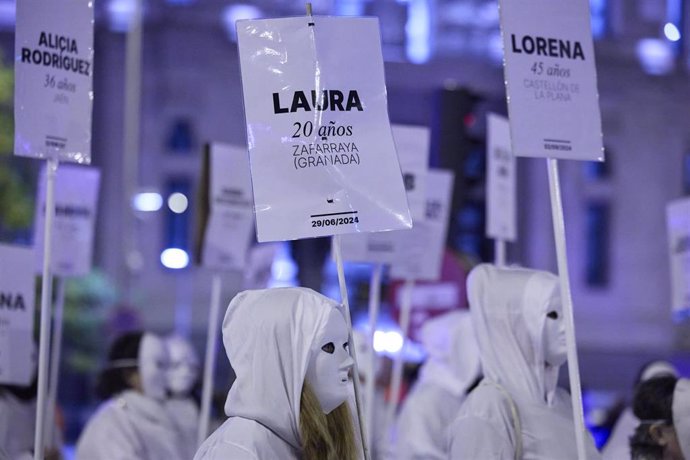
column 132, row 423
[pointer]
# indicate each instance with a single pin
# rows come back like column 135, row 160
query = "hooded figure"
column 289, row 350
column 452, row 367
column 517, row 411
column 183, row 375
column 618, row 445
column 133, row 423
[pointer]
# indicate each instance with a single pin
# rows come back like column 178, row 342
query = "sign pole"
column 56, row 352
column 573, row 366
column 46, row 297
column 405, row 310
column 352, row 348
column 370, row 384
column 210, row 358
column 500, row 252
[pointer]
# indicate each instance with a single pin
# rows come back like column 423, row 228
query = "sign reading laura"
column 551, row 79
column 501, row 219
column 76, row 201
column 53, row 79
column 323, row 161
column 16, row 315
column 678, row 225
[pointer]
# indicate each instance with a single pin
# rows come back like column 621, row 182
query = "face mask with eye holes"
column 153, row 366
column 329, row 367
column 555, row 345
column 681, row 415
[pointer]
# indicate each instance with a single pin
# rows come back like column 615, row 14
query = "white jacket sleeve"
column 224, row 451
column 106, row 437
column 475, row 438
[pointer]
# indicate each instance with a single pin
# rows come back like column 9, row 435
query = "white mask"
column 153, row 365
column 681, row 415
column 555, row 347
column 184, row 366
column 328, row 371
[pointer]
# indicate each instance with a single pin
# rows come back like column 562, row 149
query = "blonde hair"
column 325, row 436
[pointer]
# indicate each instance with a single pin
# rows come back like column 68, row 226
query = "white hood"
column 509, row 308
column 269, row 336
column 681, row 415
column 453, row 355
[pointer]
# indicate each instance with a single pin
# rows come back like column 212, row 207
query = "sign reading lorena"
column 323, row 161
column 16, row 315
column 53, row 79
column 551, row 79
column 501, row 219
column 76, row 202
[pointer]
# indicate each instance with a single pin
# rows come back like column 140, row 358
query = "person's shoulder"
column 241, row 439
column 487, row 399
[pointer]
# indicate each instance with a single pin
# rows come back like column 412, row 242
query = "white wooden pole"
column 562, row 256
column 352, row 348
column 46, row 303
column 396, row 384
column 500, row 252
column 210, row 358
column 370, row 384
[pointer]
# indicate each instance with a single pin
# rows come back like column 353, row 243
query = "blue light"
column 671, row 32
column 174, row 258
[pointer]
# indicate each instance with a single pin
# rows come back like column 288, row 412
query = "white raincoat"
column 517, row 407
column 18, row 427
column 268, row 336
column 451, row 368
column 130, row 426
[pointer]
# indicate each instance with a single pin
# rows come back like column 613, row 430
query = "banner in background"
column 76, row 202
column 322, row 155
column 53, row 79
column 228, row 200
column 17, row 305
column 551, row 79
column 412, row 145
column 423, row 246
column 678, row 225
column 501, row 191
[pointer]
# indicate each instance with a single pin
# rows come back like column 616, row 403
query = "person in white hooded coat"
column 183, row 375
column 133, row 423
column 289, row 350
column 517, row 411
column 451, row 369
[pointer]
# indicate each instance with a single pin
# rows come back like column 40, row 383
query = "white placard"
column 76, row 202
column 678, row 225
column 53, row 79
column 551, row 79
column 501, row 219
column 439, row 296
column 231, row 220
column 412, row 145
column 17, row 281
column 422, row 247
column 322, row 155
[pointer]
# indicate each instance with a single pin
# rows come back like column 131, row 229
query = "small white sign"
column 440, row 296
column 76, row 202
column 322, row 155
column 412, row 145
column 231, row 220
column 551, row 79
column 421, row 257
column 53, row 79
column 678, row 224
column 501, row 219
column 17, row 280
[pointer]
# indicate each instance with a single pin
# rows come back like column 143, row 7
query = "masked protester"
column 451, row 369
column 662, row 404
column 289, row 350
column 132, row 423
column 183, row 375
column 517, row 411
column 618, row 445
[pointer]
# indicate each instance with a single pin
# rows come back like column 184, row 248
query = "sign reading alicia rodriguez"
column 53, row 79
column 322, row 156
